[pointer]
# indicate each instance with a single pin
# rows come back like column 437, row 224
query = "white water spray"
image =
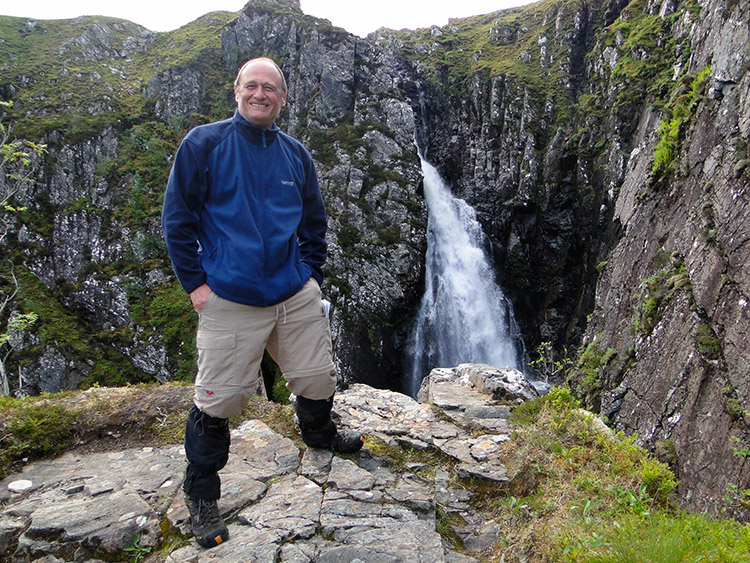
column 463, row 316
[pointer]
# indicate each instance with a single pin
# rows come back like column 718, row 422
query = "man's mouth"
column 257, row 105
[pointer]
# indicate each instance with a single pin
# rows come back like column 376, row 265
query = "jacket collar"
column 254, row 133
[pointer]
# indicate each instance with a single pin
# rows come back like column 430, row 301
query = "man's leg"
column 319, row 431
column 231, row 338
column 207, row 451
column 301, row 345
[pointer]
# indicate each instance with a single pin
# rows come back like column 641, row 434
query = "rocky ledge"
column 281, row 503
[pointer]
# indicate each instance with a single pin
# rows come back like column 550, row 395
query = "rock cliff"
column 603, row 144
column 671, row 303
column 611, row 175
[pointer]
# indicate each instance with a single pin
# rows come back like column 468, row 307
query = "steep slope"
column 610, row 139
column 672, row 302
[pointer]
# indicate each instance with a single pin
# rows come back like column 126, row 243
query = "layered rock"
column 673, row 298
column 280, row 502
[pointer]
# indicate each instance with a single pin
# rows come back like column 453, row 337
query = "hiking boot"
column 347, row 443
column 319, row 431
column 205, row 523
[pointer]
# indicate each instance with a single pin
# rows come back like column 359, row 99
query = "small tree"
column 8, row 344
column 16, row 157
column 549, row 368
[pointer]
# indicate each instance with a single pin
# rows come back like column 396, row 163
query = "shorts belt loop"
column 283, row 305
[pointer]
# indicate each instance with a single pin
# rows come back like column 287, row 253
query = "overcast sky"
column 356, row 16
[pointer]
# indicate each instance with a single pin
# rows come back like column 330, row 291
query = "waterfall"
column 463, row 316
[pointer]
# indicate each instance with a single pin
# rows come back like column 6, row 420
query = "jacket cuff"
column 192, row 283
column 317, row 274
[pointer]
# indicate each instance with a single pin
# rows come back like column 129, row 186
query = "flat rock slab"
column 399, row 420
column 279, row 503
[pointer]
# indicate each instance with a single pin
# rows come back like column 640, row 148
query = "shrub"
column 31, row 429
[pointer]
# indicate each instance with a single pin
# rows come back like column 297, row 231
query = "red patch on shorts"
column 209, row 392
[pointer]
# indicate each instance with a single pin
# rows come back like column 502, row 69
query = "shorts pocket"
column 216, row 359
column 210, row 340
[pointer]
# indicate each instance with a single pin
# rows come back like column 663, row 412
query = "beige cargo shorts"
column 231, row 340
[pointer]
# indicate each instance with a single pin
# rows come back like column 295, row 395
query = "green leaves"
column 16, row 324
column 137, row 551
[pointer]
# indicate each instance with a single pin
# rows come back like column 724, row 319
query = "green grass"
column 68, row 86
column 583, row 494
column 666, row 538
column 503, row 43
column 672, row 130
column 32, row 429
column 647, row 53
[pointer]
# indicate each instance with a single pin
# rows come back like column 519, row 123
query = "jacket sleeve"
column 183, row 202
column 311, row 233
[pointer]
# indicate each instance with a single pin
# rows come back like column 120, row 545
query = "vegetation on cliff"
column 73, row 80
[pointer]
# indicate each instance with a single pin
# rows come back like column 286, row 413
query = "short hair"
column 266, row 60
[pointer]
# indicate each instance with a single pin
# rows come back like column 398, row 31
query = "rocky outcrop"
column 281, row 502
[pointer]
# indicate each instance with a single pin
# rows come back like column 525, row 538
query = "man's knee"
column 223, row 402
column 320, row 386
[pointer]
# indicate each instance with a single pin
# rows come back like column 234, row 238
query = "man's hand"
column 199, row 295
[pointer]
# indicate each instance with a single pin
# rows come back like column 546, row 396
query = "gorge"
column 603, row 145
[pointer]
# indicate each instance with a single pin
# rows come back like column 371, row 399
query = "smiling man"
column 245, row 227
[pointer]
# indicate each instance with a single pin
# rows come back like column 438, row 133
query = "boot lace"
column 204, row 512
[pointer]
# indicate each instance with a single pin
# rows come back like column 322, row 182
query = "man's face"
column 259, row 94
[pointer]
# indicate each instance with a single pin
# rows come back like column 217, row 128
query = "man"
column 245, row 227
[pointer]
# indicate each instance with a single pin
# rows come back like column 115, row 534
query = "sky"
column 356, row 16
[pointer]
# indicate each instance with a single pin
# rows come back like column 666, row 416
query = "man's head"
column 260, row 91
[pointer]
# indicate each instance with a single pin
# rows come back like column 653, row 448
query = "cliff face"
column 672, row 302
column 95, row 244
column 612, row 178
column 603, row 144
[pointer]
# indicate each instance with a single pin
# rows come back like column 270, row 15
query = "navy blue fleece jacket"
column 243, row 213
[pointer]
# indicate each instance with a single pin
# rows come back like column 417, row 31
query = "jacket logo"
column 287, row 183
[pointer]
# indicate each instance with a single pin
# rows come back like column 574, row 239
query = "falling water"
column 463, row 316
